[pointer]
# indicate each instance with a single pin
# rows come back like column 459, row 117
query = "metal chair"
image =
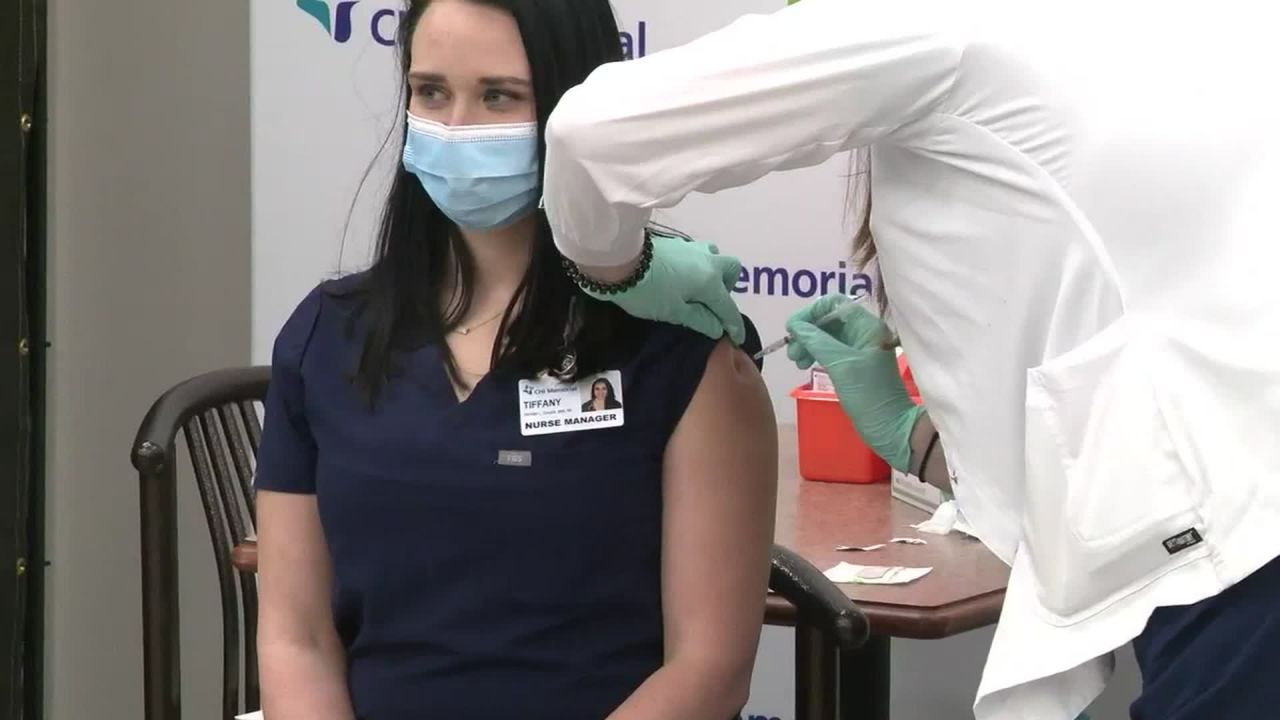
column 217, row 413
column 829, row 627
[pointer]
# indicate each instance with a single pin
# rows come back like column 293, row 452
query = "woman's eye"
column 497, row 97
column 429, row 92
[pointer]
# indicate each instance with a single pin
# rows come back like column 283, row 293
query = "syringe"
column 837, row 314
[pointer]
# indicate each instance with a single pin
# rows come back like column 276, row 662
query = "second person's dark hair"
column 864, row 241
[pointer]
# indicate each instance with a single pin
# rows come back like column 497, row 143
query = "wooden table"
column 964, row 591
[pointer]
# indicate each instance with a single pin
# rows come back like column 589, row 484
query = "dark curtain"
column 21, row 352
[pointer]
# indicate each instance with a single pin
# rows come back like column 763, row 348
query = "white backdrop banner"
column 325, row 101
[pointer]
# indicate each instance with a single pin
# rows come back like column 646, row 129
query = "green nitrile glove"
column 865, row 375
column 687, row 284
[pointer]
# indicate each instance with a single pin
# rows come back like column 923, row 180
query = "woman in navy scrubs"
column 437, row 538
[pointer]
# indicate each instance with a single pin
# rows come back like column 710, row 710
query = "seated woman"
column 436, row 536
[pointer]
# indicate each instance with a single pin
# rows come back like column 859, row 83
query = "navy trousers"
column 1218, row 659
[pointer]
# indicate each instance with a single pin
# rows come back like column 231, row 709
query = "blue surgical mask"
column 480, row 176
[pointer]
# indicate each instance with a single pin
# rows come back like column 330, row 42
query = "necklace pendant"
column 464, row 331
column 568, row 366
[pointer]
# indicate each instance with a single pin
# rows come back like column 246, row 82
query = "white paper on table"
column 875, row 574
column 250, row 716
column 881, row 546
column 946, row 519
column 855, row 548
column 943, row 521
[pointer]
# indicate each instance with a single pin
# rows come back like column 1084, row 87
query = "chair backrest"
column 218, row 416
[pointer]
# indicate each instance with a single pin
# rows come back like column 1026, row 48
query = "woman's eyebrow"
column 504, row 80
column 432, row 77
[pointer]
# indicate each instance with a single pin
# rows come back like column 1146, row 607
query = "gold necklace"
column 466, row 329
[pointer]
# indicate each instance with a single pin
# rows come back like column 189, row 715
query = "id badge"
column 549, row 406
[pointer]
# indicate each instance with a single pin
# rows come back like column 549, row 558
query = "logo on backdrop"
column 339, row 20
column 801, row 282
column 336, row 25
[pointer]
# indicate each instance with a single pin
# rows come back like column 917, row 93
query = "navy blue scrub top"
column 466, row 588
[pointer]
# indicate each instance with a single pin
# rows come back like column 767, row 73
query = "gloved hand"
column 687, row 284
column 865, row 375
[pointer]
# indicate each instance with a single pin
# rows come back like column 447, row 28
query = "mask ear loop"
column 568, row 367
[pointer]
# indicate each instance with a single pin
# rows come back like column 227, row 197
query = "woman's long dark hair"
column 419, row 251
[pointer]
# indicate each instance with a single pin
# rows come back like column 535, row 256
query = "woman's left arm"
column 719, row 489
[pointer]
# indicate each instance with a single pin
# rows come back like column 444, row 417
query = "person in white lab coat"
column 1074, row 219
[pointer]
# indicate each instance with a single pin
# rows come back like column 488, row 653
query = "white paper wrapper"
column 881, row 546
column 946, row 518
column 943, row 520
column 875, row 574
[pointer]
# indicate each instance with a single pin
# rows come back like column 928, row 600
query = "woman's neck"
column 501, row 258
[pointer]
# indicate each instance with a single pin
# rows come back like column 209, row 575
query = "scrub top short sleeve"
column 287, row 455
column 685, row 358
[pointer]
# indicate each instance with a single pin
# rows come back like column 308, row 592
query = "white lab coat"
column 1076, row 217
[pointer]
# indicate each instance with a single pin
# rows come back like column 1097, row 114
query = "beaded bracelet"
column 595, row 286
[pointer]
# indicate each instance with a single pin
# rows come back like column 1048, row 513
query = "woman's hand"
column 864, row 372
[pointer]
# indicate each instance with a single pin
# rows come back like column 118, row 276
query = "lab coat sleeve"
column 767, row 92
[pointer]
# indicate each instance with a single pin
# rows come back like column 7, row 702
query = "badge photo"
column 603, row 393
column 548, row 405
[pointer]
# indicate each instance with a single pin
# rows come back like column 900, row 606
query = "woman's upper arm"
column 719, row 491
column 294, row 572
column 765, row 93
column 295, row 575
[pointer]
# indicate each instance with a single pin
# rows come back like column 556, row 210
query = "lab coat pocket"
column 1110, row 503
